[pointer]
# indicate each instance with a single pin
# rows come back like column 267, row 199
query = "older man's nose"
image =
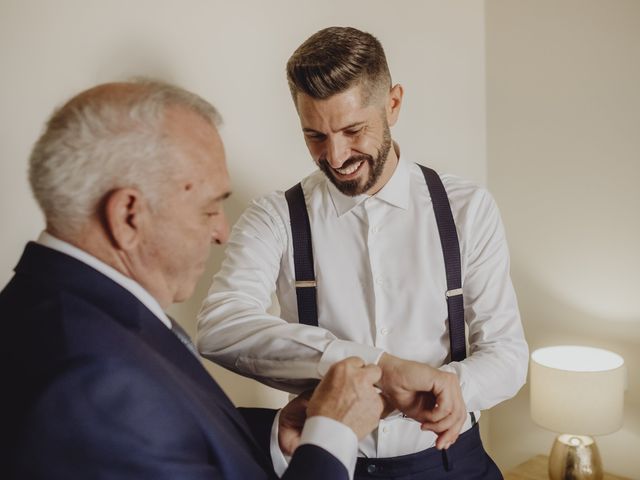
column 220, row 233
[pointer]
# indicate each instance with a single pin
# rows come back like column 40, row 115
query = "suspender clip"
column 453, row 293
column 306, row 284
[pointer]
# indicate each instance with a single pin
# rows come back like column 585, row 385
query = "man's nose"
column 338, row 151
column 220, row 233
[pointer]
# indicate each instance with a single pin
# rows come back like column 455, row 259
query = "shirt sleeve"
column 326, row 433
column 496, row 365
column 235, row 328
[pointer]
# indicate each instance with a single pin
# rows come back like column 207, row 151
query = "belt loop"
column 447, row 460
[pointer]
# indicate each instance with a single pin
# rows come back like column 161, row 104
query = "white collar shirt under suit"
column 381, row 288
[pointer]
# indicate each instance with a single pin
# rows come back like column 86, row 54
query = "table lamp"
column 577, row 392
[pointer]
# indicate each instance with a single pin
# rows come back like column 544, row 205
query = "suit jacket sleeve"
column 108, row 419
column 308, row 462
column 260, row 422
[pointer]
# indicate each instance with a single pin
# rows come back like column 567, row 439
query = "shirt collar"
column 133, row 287
column 395, row 192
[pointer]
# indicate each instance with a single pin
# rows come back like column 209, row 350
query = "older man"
column 377, row 256
column 99, row 382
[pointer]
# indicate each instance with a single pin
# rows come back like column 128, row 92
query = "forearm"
column 238, row 334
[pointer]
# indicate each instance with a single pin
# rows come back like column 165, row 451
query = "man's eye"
column 352, row 133
column 315, row 137
column 212, row 214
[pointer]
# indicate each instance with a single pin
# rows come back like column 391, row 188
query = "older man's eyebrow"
column 220, row 198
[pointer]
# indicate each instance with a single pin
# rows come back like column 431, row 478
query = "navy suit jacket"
column 97, row 387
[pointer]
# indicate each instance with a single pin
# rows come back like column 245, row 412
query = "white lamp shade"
column 578, row 390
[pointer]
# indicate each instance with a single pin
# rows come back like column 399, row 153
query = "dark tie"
column 183, row 337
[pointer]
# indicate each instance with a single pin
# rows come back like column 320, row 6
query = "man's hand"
column 430, row 396
column 291, row 421
column 347, row 394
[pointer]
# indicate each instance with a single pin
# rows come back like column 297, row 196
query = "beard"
column 376, row 167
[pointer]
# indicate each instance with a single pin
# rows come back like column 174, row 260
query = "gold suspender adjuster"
column 453, row 293
column 306, row 284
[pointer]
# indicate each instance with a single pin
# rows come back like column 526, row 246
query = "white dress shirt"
column 334, row 437
column 381, row 288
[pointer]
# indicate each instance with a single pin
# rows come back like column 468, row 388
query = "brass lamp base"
column 575, row 457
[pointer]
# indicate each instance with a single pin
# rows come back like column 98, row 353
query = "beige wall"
column 563, row 133
column 233, row 53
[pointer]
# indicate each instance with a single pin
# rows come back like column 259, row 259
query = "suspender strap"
column 302, row 256
column 451, row 253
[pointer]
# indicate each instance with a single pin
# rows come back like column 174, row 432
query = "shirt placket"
column 374, row 213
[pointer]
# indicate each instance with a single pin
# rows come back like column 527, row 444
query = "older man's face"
column 191, row 217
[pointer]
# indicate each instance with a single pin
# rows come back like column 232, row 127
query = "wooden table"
column 536, row 469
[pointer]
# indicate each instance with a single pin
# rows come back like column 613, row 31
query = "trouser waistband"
column 417, row 462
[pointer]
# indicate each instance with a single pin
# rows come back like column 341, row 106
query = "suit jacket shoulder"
column 100, row 388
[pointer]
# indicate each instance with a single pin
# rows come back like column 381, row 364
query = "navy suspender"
column 451, row 253
column 302, row 256
column 305, row 275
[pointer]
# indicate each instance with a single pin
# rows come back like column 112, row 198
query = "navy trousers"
column 466, row 459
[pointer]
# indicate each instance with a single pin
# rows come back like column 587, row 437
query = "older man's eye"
column 315, row 137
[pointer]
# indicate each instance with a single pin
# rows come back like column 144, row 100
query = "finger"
column 442, row 409
column 448, row 431
column 372, row 373
column 354, row 362
column 377, row 406
column 441, row 426
column 445, row 440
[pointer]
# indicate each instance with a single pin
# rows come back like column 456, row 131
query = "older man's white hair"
column 99, row 142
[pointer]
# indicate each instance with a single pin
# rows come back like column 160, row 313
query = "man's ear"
column 394, row 102
column 125, row 212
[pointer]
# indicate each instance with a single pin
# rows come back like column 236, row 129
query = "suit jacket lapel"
column 194, row 382
column 166, row 343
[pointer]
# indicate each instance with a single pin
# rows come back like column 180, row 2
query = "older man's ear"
column 125, row 211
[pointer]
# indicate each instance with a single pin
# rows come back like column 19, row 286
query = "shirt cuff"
column 326, row 433
column 467, row 389
column 341, row 349
column 334, row 437
column 280, row 460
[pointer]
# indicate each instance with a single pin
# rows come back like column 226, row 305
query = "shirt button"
column 379, row 281
column 375, row 230
column 385, row 429
column 383, row 331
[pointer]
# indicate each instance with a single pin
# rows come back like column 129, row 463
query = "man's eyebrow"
column 347, row 127
column 353, row 125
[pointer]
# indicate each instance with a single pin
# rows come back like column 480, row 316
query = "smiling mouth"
column 349, row 170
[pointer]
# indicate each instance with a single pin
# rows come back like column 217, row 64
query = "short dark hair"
column 336, row 59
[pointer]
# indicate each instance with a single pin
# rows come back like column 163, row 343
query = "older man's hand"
column 428, row 395
column 291, row 421
column 348, row 394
